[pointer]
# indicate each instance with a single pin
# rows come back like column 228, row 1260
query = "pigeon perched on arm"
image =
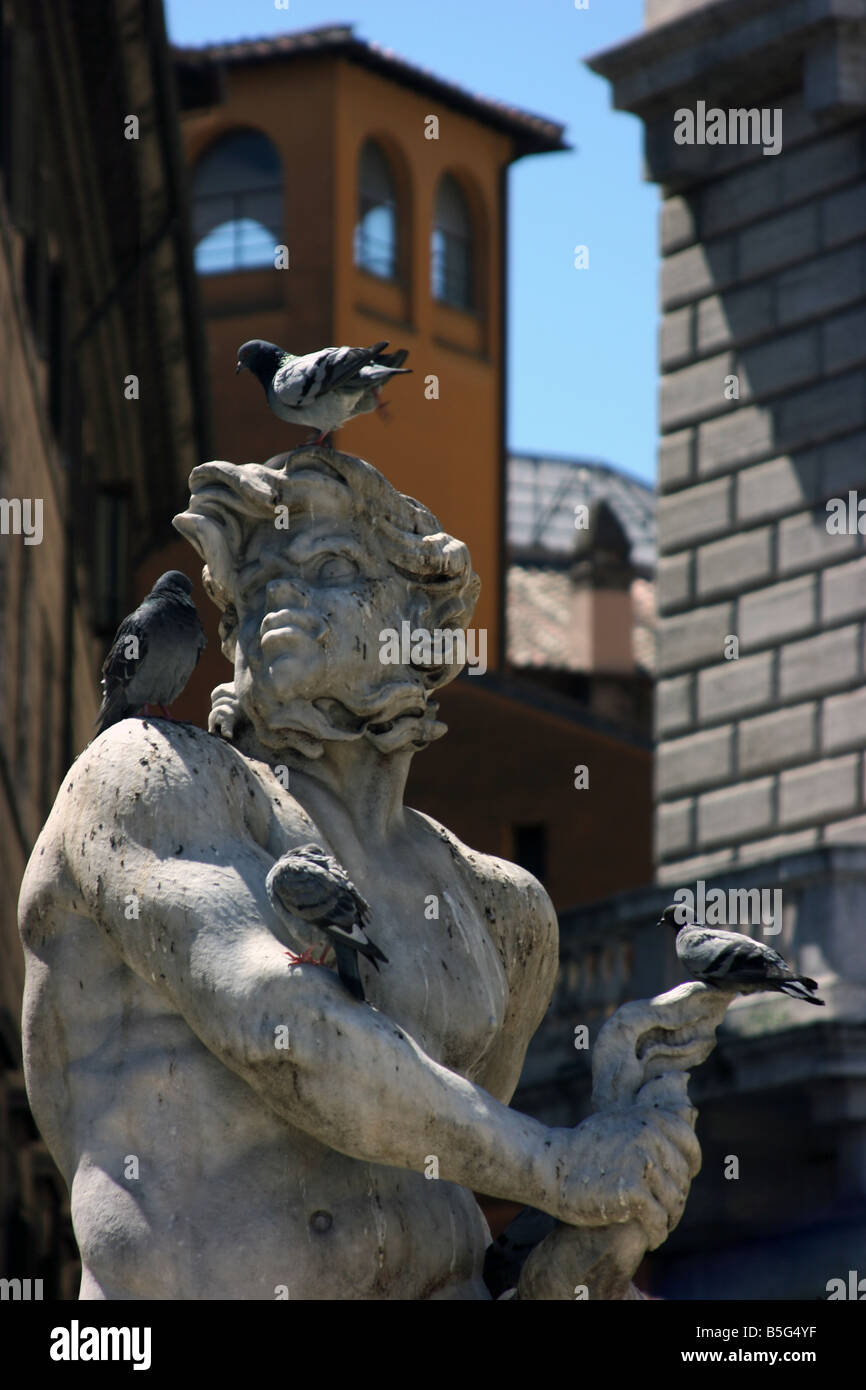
column 323, row 389
column 730, row 960
column 153, row 654
column 310, row 884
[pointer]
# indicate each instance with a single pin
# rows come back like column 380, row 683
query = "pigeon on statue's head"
column 730, row 960
column 310, row 884
column 153, row 654
column 323, row 389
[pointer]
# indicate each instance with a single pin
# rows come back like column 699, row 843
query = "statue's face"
column 311, row 602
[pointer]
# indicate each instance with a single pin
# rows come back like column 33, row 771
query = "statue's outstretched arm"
column 641, row 1062
column 205, row 937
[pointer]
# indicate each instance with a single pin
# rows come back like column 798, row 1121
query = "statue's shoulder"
column 498, row 886
column 148, row 745
column 139, row 767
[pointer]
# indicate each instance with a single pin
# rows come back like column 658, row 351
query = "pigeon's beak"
column 238, row 368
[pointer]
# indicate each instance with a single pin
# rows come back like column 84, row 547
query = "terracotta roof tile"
column 535, row 133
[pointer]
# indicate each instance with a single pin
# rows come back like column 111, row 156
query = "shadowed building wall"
column 760, row 703
column 95, row 285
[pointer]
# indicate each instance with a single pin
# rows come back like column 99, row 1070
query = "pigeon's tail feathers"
column 801, row 987
column 394, row 360
column 114, row 707
column 373, row 954
column 347, row 969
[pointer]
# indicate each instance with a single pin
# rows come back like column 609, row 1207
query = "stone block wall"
column 761, row 751
column 760, row 723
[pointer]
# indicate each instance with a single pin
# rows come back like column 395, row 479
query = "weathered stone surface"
column 777, row 739
column 819, row 286
column 843, row 722
column 673, row 703
column 818, row 664
column 767, row 616
column 733, row 687
column 693, row 638
column 675, row 338
column 695, row 761
column 843, row 591
column 674, row 581
column 736, row 813
column 236, row 1125
column 734, row 317
column 697, row 271
column 779, row 486
column 695, row 513
column 729, row 565
column 674, row 828
column 676, row 461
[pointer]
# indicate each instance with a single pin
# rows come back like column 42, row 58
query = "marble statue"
column 234, row 1125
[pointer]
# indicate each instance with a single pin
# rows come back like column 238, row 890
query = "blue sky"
column 582, row 343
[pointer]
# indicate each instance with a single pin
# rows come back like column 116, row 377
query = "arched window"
column 451, row 246
column 237, row 202
column 376, row 228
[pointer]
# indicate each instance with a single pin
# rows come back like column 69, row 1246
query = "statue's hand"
column 628, row 1168
column 632, row 1164
column 224, row 711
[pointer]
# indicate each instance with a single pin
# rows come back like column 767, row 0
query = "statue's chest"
column 444, row 982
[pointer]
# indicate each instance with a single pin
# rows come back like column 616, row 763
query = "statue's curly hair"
column 228, row 502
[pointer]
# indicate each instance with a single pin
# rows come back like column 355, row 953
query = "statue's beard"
column 393, row 715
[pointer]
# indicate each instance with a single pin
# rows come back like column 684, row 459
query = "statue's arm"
column 527, row 939
column 636, row 1076
column 204, row 936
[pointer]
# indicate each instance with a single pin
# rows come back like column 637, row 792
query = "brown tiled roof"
column 542, row 626
column 533, row 134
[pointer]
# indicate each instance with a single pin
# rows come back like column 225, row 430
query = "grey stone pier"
column 760, row 740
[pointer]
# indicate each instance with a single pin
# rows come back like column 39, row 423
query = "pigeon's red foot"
column 308, row 957
column 166, row 709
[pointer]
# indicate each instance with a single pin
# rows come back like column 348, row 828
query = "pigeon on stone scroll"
column 730, row 960
column 310, row 884
column 154, row 652
column 322, row 389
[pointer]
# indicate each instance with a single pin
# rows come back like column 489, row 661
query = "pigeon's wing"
column 353, row 936
column 201, row 638
column 719, row 954
column 119, row 669
column 347, row 906
column 302, row 380
column 126, row 651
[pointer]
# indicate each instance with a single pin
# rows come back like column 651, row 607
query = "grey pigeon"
column 154, row 652
column 730, row 960
column 323, row 389
column 310, row 884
